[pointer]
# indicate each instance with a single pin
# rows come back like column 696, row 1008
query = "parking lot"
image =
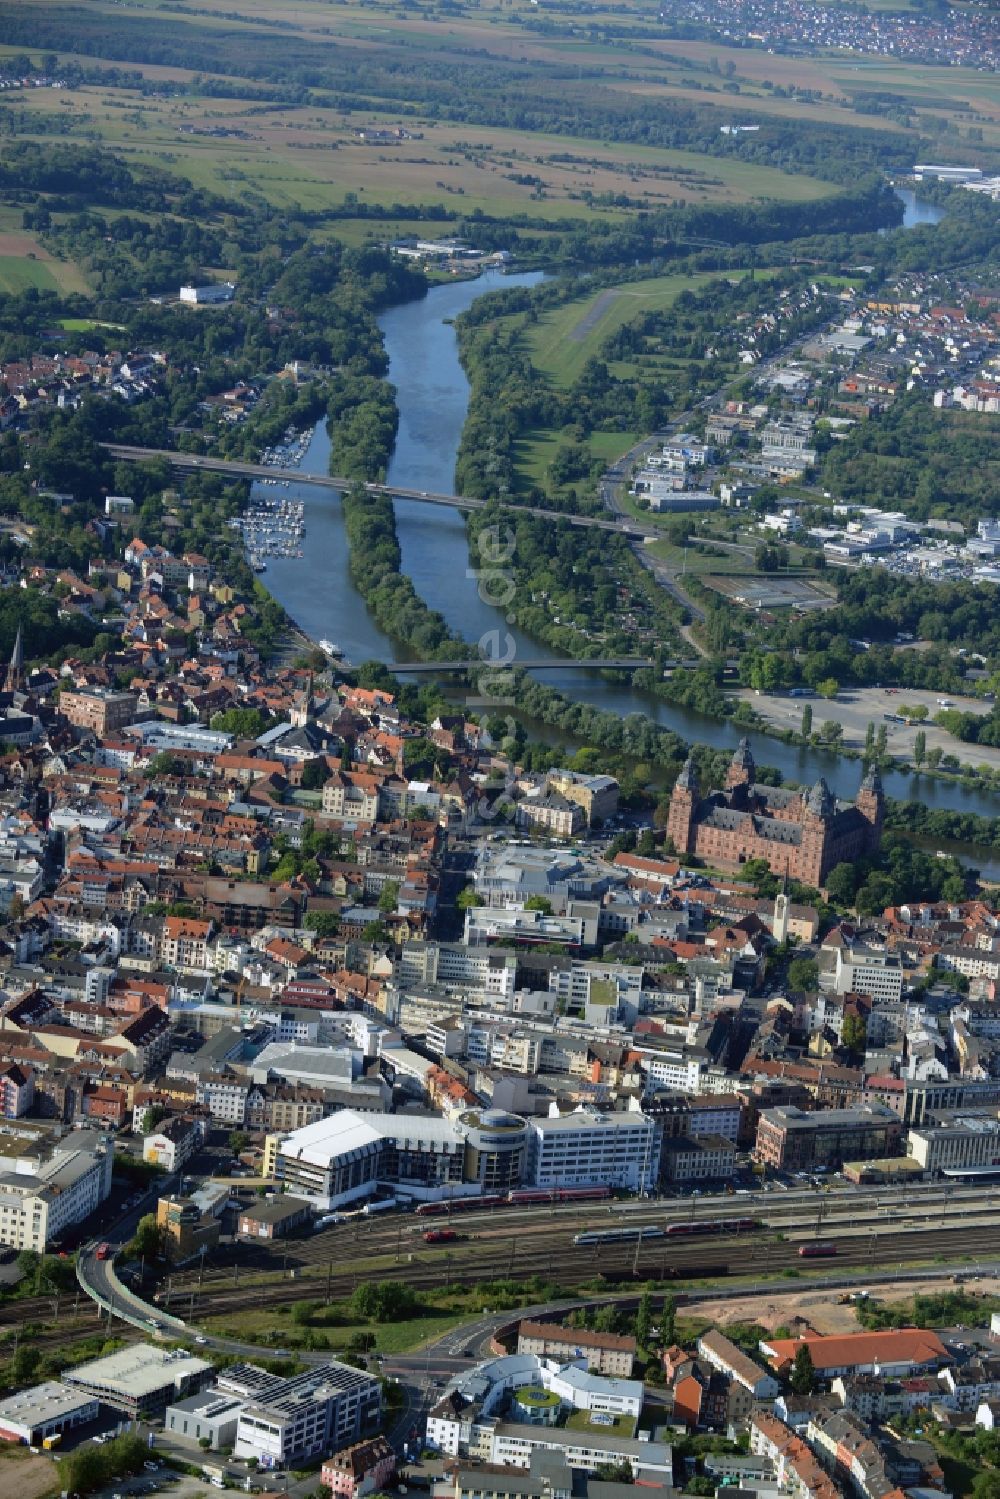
column 854, row 708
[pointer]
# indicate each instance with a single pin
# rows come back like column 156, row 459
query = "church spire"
column 15, row 671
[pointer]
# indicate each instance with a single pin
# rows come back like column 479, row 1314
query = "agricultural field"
column 360, row 116
column 25, row 263
column 313, row 159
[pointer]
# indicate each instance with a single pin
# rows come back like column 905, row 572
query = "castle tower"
column 817, row 814
column 683, row 801
column 14, row 680
column 741, row 767
column 870, row 802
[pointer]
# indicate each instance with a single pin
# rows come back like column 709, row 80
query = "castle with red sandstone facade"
column 800, row 834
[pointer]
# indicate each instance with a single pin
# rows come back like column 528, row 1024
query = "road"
column 872, row 1226
column 610, row 490
column 198, row 462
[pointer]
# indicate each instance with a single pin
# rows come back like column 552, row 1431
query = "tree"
column 384, row 1301
column 164, row 764
column 803, row 1378
column 854, row 1032
column 841, row 884
column 389, row 897
column 986, row 1485
column 668, row 1320
column 803, row 973
column 644, row 1319
column 919, row 748
column 466, row 898
column 148, row 1239
column 315, row 774
column 323, row 923
column 539, row 903
column 242, row 723
column 622, row 1473
column 24, row 1363
column 647, row 843
column 238, row 1142
column 828, row 688
column 807, row 720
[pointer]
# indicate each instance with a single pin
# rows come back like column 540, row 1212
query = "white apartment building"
column 973, row 962
column 678, row 1070
column 868, row 971
column 589, row 1148
column 485, row 971
column 955, row 1145
column 288, row 1420
column 575, row 983
column 173, row 1143
column 512, row 1446
column 351, row 796
column 184, row 943
column 485, row 924
column 225, row 1097
column 40, row 1198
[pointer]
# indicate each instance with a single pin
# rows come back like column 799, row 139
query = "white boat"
column 329, row 647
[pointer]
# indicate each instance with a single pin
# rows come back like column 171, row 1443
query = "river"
column 433, row 397
column 916, row 210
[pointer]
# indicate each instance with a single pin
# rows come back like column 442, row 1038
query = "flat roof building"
column 347, row 1156
column 589, row 1148
column 141, row 1379
column 789, row 1138
column 206, row 1417
column 288, row 1420
column 43, row 1411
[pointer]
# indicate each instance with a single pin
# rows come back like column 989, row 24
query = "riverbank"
column 320, row 593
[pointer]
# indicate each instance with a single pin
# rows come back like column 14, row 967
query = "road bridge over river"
column 600, row 663
column 202, row 463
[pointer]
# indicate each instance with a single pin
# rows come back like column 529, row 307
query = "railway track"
column 662, row 1260
column 398, row 1247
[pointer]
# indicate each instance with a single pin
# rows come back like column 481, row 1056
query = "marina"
column 274, row 525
